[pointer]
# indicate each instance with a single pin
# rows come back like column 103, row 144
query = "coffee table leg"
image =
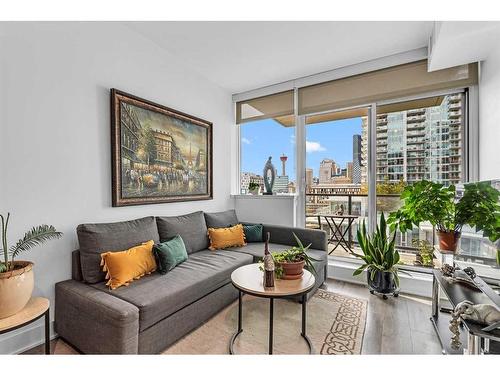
column 240, row 322
column 47, row 332
column 303, row 333
column 271, row 313
column 303, row 315
column 240, row 312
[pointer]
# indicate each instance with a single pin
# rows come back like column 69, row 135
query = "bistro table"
column 249, row 279
column 338, row 236
column 36, row 308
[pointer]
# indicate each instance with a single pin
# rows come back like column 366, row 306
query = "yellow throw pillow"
column 221, row 238
column 122, row 267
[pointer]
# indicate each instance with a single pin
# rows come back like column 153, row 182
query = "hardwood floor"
column 393, row 326
column 396, row 325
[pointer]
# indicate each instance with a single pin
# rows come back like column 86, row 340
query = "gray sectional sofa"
column 155, row 311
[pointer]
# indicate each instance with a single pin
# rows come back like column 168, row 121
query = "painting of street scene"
column 163, row 154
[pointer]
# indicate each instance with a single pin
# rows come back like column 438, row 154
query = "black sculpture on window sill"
column 268, row 185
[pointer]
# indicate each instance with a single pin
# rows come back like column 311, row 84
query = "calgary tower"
column 283, row 159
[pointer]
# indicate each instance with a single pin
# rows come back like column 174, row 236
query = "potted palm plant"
column 16, row 276
column 380, row 259
column 433, row 202
column 290, row 263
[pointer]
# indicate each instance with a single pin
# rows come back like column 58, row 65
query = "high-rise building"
column 350, row 170
column 356, row 159
column 327, row 169
column 309, row 178
column 281, row 185
column 417, row 144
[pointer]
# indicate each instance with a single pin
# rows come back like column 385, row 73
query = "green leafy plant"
column 293, row 255
column 479, row 207
column 32, row 238
column 379, row 251
column 425, row 255
column 425, row 201
column 253, row 186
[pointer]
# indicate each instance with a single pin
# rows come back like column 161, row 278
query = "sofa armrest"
column 284, row 235
column 95, row 321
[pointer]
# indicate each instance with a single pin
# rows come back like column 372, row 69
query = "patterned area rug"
column 335, row 325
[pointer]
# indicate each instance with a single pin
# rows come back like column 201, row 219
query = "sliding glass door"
column 336, row 176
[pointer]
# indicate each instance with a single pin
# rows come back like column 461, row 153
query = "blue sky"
column 261, row 139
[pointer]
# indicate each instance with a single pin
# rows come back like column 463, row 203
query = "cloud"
column 314, row 147
column 246, row 140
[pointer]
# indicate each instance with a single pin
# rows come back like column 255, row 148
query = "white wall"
column 55, row 132
column 266, row 209
column 489, row 123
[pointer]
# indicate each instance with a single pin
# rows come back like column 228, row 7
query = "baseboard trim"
column 411, row 282
column 25, row 338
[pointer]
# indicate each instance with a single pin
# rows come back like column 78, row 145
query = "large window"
column 259, row 141
column 357, row 160
column 418, row 140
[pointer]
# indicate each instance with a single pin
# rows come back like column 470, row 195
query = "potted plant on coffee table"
column 290, row 263
column 433, row 202
column 16, row 276
column 380, row 259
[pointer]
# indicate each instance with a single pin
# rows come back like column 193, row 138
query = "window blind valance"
column 265, row 107
column 391, row 83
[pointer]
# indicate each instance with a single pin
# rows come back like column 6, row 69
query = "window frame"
column 470, row 149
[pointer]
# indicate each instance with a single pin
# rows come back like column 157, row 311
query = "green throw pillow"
column 253, row 233
column 170, row 254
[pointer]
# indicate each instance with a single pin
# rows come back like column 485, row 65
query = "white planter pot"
column 16, row 287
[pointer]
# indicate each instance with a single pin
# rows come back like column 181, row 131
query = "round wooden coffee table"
column 249, row 280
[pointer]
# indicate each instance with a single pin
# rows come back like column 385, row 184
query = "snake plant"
column 379, row 251
column 34, row 237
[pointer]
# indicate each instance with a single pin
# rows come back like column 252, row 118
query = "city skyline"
column 327, row 140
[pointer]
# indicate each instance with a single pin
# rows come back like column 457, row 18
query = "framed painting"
column 159, row 155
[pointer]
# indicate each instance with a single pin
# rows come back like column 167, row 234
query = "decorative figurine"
column 268, row 265
column 269, row 167
column 447, row 270
column 470, row 272
column 488, row 315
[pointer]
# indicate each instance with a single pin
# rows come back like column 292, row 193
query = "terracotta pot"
column 448, row 241
column 292, row 271
column 16, row 287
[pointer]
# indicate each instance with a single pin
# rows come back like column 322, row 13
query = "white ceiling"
column 240, row 56
column 457, row 42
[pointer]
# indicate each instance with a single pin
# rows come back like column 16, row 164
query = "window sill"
column 249, row 196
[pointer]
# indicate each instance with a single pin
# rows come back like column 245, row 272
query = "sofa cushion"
column 170, row 254
column 158, row 296
column 190, row 227
column 221, row 219
column 123, row 267
column 253, row 233
column 222, row 238
column 95, row 239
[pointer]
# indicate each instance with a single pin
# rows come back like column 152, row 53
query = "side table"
column 34, row 310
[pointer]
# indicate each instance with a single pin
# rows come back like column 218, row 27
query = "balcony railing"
column 324, row 204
